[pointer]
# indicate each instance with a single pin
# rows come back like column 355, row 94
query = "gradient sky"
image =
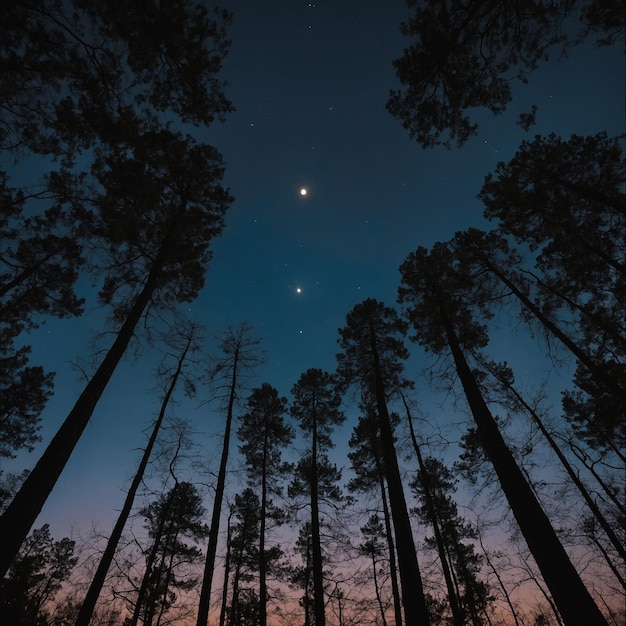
column 309, row 81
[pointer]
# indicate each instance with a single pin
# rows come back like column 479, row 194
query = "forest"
column 341, row 500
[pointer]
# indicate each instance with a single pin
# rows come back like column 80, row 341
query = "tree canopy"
column 464, row 54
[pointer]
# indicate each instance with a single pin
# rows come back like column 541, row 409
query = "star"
column 298, row 289
column 303, row 191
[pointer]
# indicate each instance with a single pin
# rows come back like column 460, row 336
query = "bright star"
column 303, row 191
column 298, row 289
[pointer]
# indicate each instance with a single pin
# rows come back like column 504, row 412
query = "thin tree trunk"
column 393, row 568
column 468, row 582
column 21, row 514
column 608, row 560
column 413, row 600
column 168, row 580
column 585, row 359
column 377, row 590
column 570, row 594
column 547, row 597
column 155, row 545
column 457, row 614
column 611, row 329
column 507, row 597
column 226, row 572
column 316, row 545
column 307, row 599
column 209, row 565
column 152, row 556
column 234, row 604
column 610, row 533
column 262, row 562
column 580, row 454
column 340, row 606
column 89, row 603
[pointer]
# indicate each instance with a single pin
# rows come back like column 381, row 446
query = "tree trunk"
column 226, row 572
column 612, row 329
column 21, row 514
column 393, row 568
column 316, row 545
column 152, row 556
column 209, row 566
column 507, row 597
column 307, row 599
column 262, row 562
column 608, row 529
column 234, row 603
column 584, row 358
column 413, row 600
column 570, row 595
column 584, row 458
column 377, row 590
column 457, row 615
column 168, row 580
column 89, row 603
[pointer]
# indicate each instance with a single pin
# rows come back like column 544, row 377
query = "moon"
column 303, row 191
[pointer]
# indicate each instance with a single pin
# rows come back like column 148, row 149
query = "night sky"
column 309, row 81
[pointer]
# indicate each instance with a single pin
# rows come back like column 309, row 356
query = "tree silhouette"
column 78, row 72
column 464, row 55
column 97, row 81
column 37, row 574
column 431, row 516
column 301, row 576
column 171, row 519
column 240, row 354
column 372, row 359
column 438, row 298
column 163, row 205
column 172, row 377
column 505, row 382
column 565, row 200
column 244, row 547
column 264, row 433
column 40, row 259
column 367, row 464
column 433, row 485
column 373, row 531
column 316, row 407
column 76, row 76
